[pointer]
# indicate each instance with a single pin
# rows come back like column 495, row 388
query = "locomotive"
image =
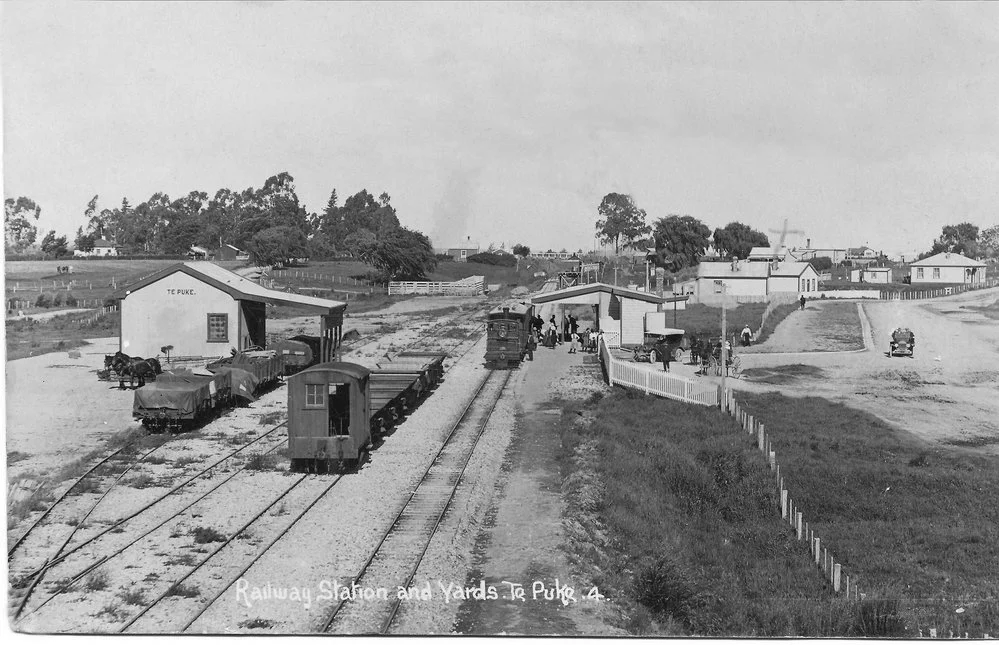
column 508, row 329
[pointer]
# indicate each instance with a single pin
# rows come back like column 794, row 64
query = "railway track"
column 398, row 554
column 69, row 581
column 307, row 498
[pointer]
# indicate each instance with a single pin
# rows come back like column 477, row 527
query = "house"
column 197, row 253
column 766, row 254
column 947, row 268
column 459, row 252
column 102, row 249
column 756, row 279
column 230, row 252
column 808, row 253
column 205, row 310
column 862, row 256
column 792, row 277
column 873, row 275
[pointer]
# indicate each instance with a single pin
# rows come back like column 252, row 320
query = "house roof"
column 791, row 269
column 235, row 285
column 944, row 259
column 105, row 244
column 596, row 287
column 874, row 269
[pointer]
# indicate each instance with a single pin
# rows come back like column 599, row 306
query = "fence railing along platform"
column 651, row 381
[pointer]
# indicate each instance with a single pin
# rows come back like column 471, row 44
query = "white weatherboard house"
column 947, row 268
column 207, row 311
column 873, row 275
column 754, row 278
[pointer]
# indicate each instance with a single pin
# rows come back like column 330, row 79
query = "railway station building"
column 619, row 312
column 204, row 310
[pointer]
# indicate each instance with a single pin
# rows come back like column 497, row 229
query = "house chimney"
column 808, row 243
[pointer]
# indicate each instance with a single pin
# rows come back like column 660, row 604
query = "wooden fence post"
column 837, row 572
column 818, row 551
column 797, row 523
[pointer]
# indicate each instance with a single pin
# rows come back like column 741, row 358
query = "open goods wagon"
column 508, row 328
column 336, row 410
column 181, row 399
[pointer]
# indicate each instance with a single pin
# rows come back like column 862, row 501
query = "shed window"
column 218, row 328
column 936, row 273
column 314, row 395
column 919, row 273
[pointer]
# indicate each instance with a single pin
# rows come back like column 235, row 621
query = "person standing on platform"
column 565, row 327
column 532, row 344
column 573, row 342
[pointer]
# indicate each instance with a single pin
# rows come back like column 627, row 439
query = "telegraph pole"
column 724, row 353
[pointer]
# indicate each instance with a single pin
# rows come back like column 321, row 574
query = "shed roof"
column 235, row 285
column 944, row 259
column 790, row 269
column 596, row 287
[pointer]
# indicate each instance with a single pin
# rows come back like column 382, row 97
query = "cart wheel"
column 678, row 355
column 713, row 366
column 736, row 367
column 653, row 356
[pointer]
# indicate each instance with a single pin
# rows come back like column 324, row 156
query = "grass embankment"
column 59, row 333
column 704, row 321
column 681, row 525
column 914, row 522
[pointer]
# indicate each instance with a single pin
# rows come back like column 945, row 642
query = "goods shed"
column 619, row 312
column 204, row 310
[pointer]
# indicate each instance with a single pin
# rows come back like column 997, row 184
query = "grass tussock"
column 142, row 480
column 691, row 535
column 96, row 581
column 261, row 461
column 206, row 535
column 929, row 511
column 273, row 418
column 133, row 597
column 183, row 591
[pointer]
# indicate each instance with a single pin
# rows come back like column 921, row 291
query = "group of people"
column 549, row 334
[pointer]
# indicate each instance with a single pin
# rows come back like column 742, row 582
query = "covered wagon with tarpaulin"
column 181, row 399
column 205, row 311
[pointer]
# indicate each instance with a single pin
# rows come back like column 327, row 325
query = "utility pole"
column 724, row 353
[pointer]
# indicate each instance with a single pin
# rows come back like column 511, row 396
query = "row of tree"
column 681, row 240
column 269, row 222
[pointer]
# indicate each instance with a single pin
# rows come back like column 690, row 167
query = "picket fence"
column 470, row 286
column 936, row 293
column 652, row 381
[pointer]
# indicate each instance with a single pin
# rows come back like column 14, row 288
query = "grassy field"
column 687, row 534
column 912, row 522
column 60, row 333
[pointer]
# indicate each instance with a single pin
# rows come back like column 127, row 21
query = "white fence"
column 651, row 381
column 936, row 293
column 470, row 286
column 850, row 293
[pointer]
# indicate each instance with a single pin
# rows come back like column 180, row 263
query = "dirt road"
column 946, row 393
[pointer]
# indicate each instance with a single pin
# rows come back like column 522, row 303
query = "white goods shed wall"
column 174, row 311
column 633, row 320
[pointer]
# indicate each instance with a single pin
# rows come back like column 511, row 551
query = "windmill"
column 780, row 243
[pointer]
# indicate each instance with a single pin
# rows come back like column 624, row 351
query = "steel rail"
column 466, row 413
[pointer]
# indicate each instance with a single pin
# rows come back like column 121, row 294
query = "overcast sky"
column 860, row 123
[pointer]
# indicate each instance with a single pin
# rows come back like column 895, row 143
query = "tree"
column 737, row 240
column 521, row 250
column 621, row 220
column 962, row 238
column 19, row 231
column 84, row 241
column 988, row 241
column 680, row 241
column 53, row 246
column 276, row 245
column 821, row 263
column 404, row 254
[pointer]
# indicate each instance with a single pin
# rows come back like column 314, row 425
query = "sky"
column 860, row 124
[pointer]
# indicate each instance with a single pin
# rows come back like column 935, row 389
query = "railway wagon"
column 178, row 400
column 508, row 328
column 337, row 409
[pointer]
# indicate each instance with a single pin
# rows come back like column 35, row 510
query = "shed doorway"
column 339, row 409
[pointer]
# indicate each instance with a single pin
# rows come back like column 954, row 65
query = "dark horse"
column 134, row 367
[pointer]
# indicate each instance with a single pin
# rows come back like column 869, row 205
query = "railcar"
column 336, row 410
column 508, row 328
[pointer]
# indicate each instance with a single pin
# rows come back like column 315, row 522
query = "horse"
column 134, row 367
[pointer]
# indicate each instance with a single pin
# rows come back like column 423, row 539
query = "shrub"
column 57, row 299
column 493, row 259
column 667, row 589
column 42, row 301
column 96, row 581
column 71, row 300
column 206, row 535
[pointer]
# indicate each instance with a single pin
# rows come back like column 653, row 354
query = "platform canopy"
column 589, row 294
column 238, row 287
